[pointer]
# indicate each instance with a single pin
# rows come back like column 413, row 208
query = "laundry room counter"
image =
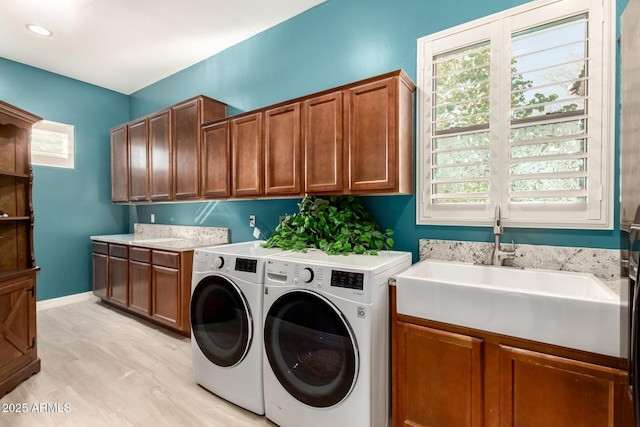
column 169, row 237
column 148, row 272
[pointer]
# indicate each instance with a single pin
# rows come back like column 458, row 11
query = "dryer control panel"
column 347, row 279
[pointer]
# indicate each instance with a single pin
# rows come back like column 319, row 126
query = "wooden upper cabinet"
column 282, row 150
column 138, row 161
column 186, row 121
column 323, row 148
column 352, row 139
column 216, row 158
column 380, row 136
column 246, row 155
column 160, row 156
column 186, row 145
column 119, row 165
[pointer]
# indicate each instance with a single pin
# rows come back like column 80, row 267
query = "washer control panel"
column 343, row 282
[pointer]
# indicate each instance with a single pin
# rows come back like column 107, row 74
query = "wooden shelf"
column 6, row 274
column 14, row 174
column 15, row 218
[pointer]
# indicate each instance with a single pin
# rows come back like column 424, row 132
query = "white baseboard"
column 69, row 299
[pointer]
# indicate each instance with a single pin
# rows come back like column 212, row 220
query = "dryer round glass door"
column 221, row 321
column 311, row 348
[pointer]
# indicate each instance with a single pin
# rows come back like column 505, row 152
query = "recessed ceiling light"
column 37, row 29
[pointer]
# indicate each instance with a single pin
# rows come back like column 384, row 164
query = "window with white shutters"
column 515, row 109
column 52, row 144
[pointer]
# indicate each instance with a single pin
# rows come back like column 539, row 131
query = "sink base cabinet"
column 443, row 369
column 540, row 389
column 151, row 283
column 444, row 375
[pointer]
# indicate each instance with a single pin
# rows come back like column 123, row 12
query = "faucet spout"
column 498, row 256
column 498, row 229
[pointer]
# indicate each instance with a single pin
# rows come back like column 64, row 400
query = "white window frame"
column 43, row 159
column 498, row 29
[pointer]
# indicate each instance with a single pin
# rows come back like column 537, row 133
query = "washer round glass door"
column 221, row 321
column 311, row 348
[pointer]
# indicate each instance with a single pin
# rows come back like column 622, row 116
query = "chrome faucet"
column 498, row 255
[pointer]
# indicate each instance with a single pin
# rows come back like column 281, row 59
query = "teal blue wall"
column 334, row 43
column 70, row 204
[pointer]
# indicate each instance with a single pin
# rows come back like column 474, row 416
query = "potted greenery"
column 338, row 225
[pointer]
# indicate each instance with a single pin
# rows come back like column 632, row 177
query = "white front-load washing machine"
column 326, row 338
column 226, row 321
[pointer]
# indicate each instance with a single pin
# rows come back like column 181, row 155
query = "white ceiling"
column 125, row 45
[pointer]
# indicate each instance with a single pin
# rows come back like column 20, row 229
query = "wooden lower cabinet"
column 100, row 269
column 155, row 284
column 445, row 375
column 18, row 350
column 443, row 369
column 165, row 306
column 139, row 286
column 538, row 389
column 118, row 288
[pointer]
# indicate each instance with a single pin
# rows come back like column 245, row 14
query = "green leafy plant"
column 339, row 225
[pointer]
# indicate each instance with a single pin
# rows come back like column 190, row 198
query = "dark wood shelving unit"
column 18, row 346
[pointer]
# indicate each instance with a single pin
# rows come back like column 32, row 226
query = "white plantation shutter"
column 549, row 145
column 460, row 126
column 514, row 110
column 52, row 144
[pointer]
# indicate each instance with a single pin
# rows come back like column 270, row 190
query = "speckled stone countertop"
column 169, row 237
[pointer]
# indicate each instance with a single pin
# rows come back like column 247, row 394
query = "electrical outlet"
column 252, row 220
column 153, row 218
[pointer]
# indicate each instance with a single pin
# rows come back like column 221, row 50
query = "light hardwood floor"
column 113, row 369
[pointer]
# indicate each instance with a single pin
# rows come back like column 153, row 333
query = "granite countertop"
column 169, row 237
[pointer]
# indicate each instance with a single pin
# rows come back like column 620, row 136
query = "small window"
column 515, row 109
column 52, row 144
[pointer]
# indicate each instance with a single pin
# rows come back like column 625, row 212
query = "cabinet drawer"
column 119, row 251
column 166, row 259
column 140, row 254
column 101, row 248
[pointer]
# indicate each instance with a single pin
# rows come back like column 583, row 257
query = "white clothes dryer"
column 326, row 338
column 226, row 321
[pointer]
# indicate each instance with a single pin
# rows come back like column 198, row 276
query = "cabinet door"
column 247, row 163
column 165, row 295
column 18, row 326
column 216, row 153
column 542, row 390
column 118, row 280
column 100, row 268
column 138, row 161
column 440, row 378
column 160, row 156
column 119, row 165
column 185, row 123
column 372, row 136
column 282, row 150
column 139, row 286
column 323, row 135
